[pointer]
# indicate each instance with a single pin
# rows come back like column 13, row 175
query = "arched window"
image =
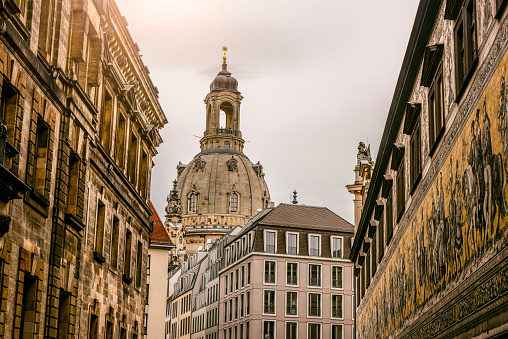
column 233, row 202
column 192, row 202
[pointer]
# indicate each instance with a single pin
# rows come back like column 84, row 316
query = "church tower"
column 220, row 188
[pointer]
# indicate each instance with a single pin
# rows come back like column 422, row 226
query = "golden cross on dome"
column 225, row 49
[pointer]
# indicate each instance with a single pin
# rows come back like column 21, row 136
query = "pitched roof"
column 159, row 235
column 303, row 216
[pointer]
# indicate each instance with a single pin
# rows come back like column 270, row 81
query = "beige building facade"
column 79, row 123
column 220, row 188
column 286, row 275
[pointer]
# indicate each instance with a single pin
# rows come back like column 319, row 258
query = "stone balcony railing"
column 223, row 131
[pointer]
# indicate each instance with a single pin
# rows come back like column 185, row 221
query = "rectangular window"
column 314, row 305
column 115, row 233
column 291, row 303
column 465, row 43
column 93, row 331
column 415, row 154
column 107, row 111
column 120, row 142
column 133, row 159
column 268, row 329
column 292, row 243
column 436, row 110
column 99, row 231
column 270, row 272
column 292, row 273
column 336, row 247
column 241, row 305
column 336, row 306
column 243, row 276
column 248, row 274
column 247, row 309
column 314, row 331
column 236, row 307
column 336, row 331
column 230, row 309
column 401, row 191
column 241, row 330
column 314, row 245
column 389, row 218
column 139, row 263
column 247, row 330
column 226, row 284
column 381, row 236
column 269, row 242
column 231, row 281
column 291, row 330
column 127, row 255
column 337, row 277
column 314, row 275
column 225, row 312
column 269, row 302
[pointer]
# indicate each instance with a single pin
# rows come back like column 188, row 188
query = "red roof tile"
column 159, row 234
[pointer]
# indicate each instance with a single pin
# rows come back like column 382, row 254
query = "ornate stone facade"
column 79, row 123
column 431, row 248
column 220, row 188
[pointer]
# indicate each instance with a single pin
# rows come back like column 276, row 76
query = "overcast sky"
column 317, row 78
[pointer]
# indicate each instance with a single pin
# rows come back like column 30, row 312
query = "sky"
column 317, row 78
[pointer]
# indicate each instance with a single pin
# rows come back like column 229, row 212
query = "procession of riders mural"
column 456, row 235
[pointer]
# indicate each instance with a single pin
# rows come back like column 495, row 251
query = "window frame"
column 234, row 203
column 436, row 119
column 274, row 272
column 415, row 156
column 297, row 273
column 320, row 276
column 286, row 328
column 332, row 237
column 331, row 329
column 469, row 62
column 265, row 245
column 288, row 233
column 341, row 307
column 320, row 305
column 274, row 302
column 320, row 329
column 286, row 304
column 341, row 278
column 192, row 202
column 309, row 244
column 274, row 328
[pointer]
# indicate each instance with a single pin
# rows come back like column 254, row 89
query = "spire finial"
column 224, row 57
column 294, row 197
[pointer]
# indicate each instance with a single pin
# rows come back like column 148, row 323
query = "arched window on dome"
column 226, row 144
column 193, row 198
column 233, row 202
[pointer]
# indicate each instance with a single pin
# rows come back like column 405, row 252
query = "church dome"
column 223, row 185
column 224, row 81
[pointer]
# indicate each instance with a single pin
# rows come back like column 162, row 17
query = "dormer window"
column 314, row 245
column 270, row 241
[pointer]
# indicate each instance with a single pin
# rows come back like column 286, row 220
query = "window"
column 314, row 245
column 248, row 274
column 314, row 331
column 270, row 241
column 28, row 305
column 291, row 330
column 192, row 202
column 389, row 218
column 226, row 144
column 230, row 309
column 291, row 303
column 270, row 272
column 231, row 282
column 236, row 307
column 436, row 110
column 381, row 236
column 120, row 141
column 336, row 247
column 292, row 243
column 114, row 244
column 139, row 262
column 314, row 275
column 241, row 331
column 225, row 312
column 268, row 329
column 374, row 253
column 269, row 302
column 226, row 284
column 127, row 255
column 233, row 202
column 237, row 276
column 247, row 309
column 336, row 306
column 336, row 276
column 415, row 155
column 336, row 331
column 132, row 158
column 99, row 231
column 401, row 192
column 314, row 305
column 243, row 276
column 465, row 42
column 292, row 273
column 93, row 330
column 247, row 330
column 241, row 305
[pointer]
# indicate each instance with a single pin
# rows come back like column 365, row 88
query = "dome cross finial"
column 224, row 57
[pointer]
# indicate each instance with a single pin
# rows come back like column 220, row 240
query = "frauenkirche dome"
column 220, row 188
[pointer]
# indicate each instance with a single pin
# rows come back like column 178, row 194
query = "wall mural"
column 459, row 226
